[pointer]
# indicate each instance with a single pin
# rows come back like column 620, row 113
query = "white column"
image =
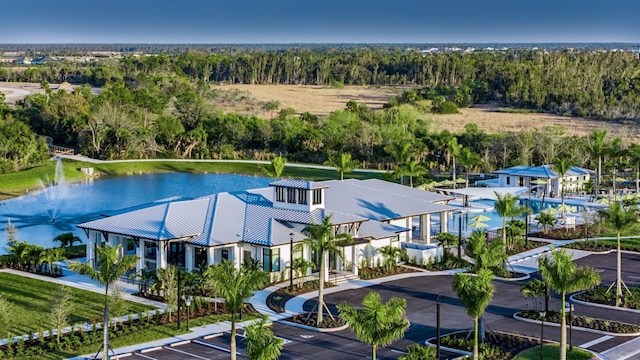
column 140, row 255
column 444, row 220
column 161, row 255
column 188, row 257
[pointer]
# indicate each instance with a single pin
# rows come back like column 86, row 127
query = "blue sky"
column 325, row 21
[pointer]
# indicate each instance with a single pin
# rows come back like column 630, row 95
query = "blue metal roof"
column 541, row 172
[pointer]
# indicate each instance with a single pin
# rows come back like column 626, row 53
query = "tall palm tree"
column 562, row 166
column 377, row 324
column 235, row 286
column 564, row 276
column 412, row 168
column 634, row 156
column 596, row 149
column 475, row 293
column 261, row 343
column 275, row 169
column 343, row 164
column 108, row 268
column 454, row 151
column 506, row 205
column 620, row 220
column 323, row 241
column 469, row 160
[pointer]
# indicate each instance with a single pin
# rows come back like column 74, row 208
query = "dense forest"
column 162, row 106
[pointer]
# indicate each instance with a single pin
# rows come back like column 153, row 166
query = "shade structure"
column 480, row 217
column 478, row 225
column 446, row 183
column 565, row 208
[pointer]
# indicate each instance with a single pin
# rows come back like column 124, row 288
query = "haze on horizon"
column 332, row 21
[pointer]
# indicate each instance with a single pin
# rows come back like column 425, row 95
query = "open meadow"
column 321, row 101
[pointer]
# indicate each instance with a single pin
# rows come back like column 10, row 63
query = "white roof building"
column 264, row 223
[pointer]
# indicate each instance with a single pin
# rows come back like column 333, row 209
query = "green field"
column 31, row 302
column 18, row 183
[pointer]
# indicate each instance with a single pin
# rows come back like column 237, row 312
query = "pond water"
column 71, row 204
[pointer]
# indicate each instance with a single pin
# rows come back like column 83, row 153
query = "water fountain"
column 54, row 192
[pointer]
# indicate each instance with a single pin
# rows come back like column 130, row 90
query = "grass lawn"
column 140, row 337
column 551, row 352
column 18, row 183
column 31, row 301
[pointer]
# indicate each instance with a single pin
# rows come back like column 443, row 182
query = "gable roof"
column 250, row 216
column 542, row 171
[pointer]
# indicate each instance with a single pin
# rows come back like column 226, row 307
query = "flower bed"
column 583, row 322
column 599, row 295
column 497, row 345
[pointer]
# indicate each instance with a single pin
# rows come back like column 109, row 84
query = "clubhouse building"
column 265, row 224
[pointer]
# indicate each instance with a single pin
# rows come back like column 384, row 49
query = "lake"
column 73, row 204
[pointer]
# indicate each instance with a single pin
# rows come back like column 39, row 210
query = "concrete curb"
column 603, row 306
column 311, row 328
column 600, row 332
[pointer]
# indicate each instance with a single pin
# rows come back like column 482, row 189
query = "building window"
column 271, row 260
column 317, row 196
column 302, row 197
column 291, row 196
column 279, row 193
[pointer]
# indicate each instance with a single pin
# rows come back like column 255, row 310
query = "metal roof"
column 379, row 230
column 249, row 216
column 542, row 171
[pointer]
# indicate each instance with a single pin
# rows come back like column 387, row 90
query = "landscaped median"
column 583, row 323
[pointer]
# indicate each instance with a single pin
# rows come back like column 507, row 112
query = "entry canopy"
column 487, row 193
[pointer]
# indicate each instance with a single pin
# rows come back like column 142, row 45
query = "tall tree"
column 324, row 241
column 564, row 276
column 562, row 166
column 475, row 293
column 235, row 286
column 108, row 268
column 597, row 148
column 376, row 324
column 619, row 219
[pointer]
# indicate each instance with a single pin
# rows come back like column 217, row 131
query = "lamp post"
column 187, row 301
column 542, row 316
column 438, row 326
column 291, row 262
column 570, row 308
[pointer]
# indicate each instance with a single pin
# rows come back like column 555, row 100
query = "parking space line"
column 187, row 353
column 596, row 341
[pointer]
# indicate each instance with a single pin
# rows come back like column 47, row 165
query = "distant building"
column 529, row 176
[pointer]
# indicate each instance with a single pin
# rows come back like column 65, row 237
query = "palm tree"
column 469, row 160
column 412, row 168
column 323, row 242
column 620, row 220
column 67, row 239
column 377, row 324
column 343, row 164
column 454, row 151
column 547, row 220
column 475, row 293
column 533, row 288
column 505, row 206
column 109, row 267
column 276, row 167
column 597, row 149
column 235, row 286
column 634, row 155
column 562, row 166
column 261, row 343
column 564, row 276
